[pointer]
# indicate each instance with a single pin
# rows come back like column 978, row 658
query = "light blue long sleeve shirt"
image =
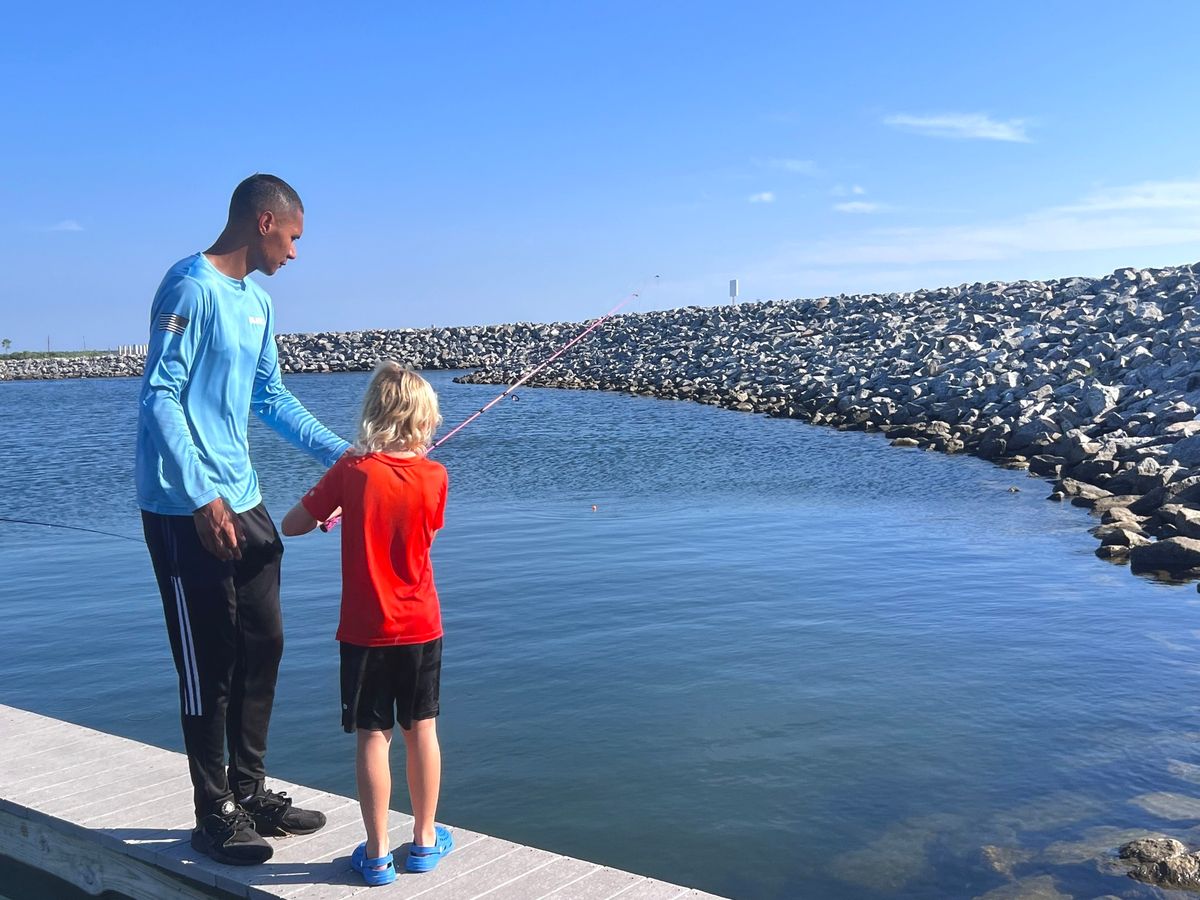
column 212, row 358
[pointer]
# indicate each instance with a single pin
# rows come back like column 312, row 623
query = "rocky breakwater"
column 35, row 369
column 1091, row 383
column 461, row 347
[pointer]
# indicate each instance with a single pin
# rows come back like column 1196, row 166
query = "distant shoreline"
column 1091, row 382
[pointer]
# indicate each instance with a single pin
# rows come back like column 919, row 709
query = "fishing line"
column 524, row 378
column 329, row 524
column 112, row 534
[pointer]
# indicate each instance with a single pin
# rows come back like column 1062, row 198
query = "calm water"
column 778, row 661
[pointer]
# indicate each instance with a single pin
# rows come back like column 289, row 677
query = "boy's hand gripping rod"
column 330, row 523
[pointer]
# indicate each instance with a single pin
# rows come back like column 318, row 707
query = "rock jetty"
column 113, row 366
column 1092, row 383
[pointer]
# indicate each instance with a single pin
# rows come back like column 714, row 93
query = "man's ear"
column 266, row 221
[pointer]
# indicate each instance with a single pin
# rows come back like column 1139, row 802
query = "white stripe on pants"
column 191, row 680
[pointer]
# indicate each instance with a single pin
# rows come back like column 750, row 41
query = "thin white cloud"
column 1037, row 233
column 968, row 126
column 841, row 190
column 1152, row 219
column 796, row 166
column 65, row 225
column 762, row 197
column 1178, row 194
column 859, row 206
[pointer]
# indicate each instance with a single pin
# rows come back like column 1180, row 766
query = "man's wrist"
column 205, row 500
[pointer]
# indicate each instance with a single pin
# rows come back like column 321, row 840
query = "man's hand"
column 220, row 530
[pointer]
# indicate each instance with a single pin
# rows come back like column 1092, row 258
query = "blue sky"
column 490, row 162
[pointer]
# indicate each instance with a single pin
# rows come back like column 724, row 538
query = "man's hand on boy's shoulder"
column 220, row 530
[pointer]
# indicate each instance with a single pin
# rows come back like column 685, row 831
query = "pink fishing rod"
column 524, row 378
column 328, row 524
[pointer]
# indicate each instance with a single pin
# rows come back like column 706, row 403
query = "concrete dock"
column 106, row 813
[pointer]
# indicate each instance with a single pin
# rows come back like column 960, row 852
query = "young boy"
column 392, row 500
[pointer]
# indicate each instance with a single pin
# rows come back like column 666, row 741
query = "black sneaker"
column 274, row 815
column 228, row 836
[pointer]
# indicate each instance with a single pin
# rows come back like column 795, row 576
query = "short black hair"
column 260, row 193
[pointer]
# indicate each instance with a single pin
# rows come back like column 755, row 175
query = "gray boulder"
column 1123, row 537
column 1184, row 519
column 1116, row 501
column 1176, row 872
column 1185, row 490
column 1040, row 431
column 1100, row 398
column 1187, row 451
column 1151, row 849
column 1175, row 557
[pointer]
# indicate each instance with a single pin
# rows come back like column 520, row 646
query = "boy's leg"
column 198, row 604
column 374, row 787
column 424, row 769
column 259, row 650
column 419, row 726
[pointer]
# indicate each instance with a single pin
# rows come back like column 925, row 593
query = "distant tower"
column 733, row 290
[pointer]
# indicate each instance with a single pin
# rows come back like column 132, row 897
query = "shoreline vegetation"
column 1092, row 383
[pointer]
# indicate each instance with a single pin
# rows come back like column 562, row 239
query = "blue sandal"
column 425, row 859
column 374, row 871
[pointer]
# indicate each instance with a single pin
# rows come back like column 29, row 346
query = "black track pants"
column 226, row 635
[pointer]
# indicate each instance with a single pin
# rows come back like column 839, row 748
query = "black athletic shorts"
column 382, row 686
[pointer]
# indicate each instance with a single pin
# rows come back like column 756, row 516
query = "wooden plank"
column 502, row 870
column 27, row 747
column 19, row 724
column 649, row 889
column 131, row 767
column 15, row 713
column 15, row 786
column 599, row 885
column 558, row 873
column 21, row 728
column 166, row 810
column 79, row 806
column 52, row 762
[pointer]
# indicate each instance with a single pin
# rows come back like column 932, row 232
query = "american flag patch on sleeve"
column 172, row 322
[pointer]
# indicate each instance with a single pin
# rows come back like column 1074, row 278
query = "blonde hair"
column 399, row 412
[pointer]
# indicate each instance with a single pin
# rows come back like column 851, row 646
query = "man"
column 216, row 552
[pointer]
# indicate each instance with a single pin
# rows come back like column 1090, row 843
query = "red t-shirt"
column 391, row 509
